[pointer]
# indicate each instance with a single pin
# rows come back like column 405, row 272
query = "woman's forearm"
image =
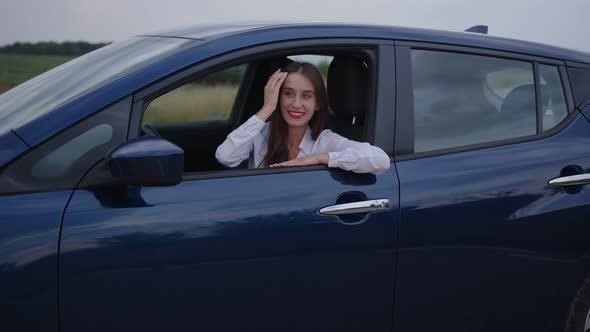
column 264, row 113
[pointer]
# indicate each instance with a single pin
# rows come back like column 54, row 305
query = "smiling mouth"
column 296, row 114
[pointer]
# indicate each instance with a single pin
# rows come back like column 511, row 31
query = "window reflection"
column 61, row 84
column 462, row 99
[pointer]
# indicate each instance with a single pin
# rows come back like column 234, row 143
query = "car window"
column 62, row 161
column 463, row 99
column 580, row 80
column 553, row 105
column 205, row 99
column 57, row 163
column 198, row 116
column 49, row 90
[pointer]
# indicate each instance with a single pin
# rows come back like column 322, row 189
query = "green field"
column 18, row 68
column 192, row 102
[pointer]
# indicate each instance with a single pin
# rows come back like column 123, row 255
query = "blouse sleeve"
column 238, row 144
column 359, row 157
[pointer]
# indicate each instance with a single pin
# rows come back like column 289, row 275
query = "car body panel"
column 230, row 253
column 484, row 231
column 28, row 260
column 208, row 31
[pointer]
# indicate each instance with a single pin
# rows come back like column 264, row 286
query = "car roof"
column 207, row 32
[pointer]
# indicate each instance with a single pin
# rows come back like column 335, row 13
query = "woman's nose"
column 297, row 102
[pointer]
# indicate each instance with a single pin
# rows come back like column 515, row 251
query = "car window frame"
column 404, row 133
column 381, row 100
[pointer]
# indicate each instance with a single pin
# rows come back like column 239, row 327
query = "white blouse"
column 250, row 141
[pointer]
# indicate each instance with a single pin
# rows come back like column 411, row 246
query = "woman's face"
column 297, row 100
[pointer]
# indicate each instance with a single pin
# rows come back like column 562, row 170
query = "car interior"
column 348, row 90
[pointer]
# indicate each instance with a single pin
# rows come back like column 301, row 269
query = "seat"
column 348, row 82
column 520, row 103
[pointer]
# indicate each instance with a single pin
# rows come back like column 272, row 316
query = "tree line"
column 68, row 48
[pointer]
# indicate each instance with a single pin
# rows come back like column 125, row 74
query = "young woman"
column 297, row 135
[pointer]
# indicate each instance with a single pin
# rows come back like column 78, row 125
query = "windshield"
column 45, row 92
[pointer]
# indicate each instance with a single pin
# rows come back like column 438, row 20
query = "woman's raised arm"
column 238, row 144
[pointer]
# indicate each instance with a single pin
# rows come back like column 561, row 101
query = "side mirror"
column 146, row 161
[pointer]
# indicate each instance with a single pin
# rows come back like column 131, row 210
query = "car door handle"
column 572, row 180
column 356, row 207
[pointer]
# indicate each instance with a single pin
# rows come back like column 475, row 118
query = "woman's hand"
column 314, row 159
column 271, row 94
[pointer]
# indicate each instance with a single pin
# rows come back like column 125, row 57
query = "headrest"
column 522, row 99
column 348, row 80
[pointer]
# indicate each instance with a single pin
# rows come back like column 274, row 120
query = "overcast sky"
column 562, row 23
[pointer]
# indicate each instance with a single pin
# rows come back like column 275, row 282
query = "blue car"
column 116, row 216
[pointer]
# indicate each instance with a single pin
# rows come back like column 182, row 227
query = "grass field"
column 18, row 68
column 192, row 102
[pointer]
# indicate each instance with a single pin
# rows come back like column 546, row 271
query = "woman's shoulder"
column 328, row 140
column 328, row 134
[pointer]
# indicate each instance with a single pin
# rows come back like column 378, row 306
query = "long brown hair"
column 277, row 150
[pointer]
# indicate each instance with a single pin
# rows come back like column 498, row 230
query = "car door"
column 485, row 242
column 236, row 249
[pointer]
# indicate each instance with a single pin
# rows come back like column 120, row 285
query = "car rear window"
column 47, row 91
column 463, row 99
